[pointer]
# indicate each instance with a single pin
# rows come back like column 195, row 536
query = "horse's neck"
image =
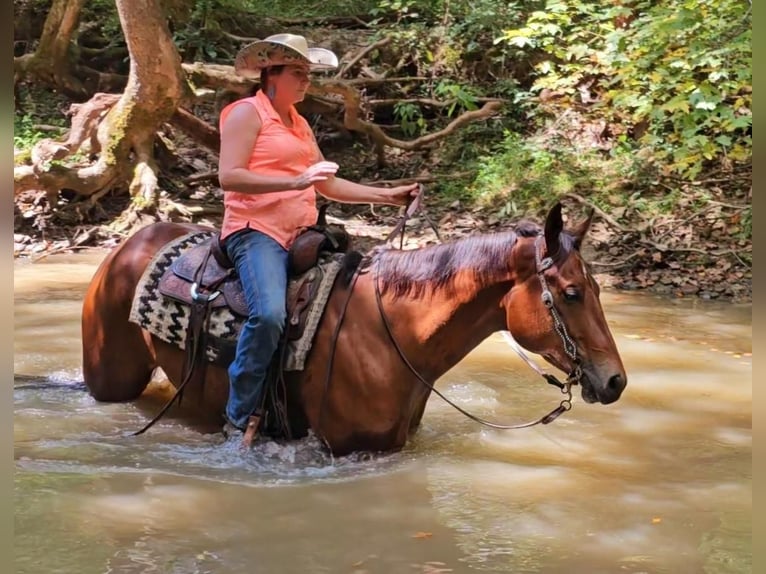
column 445, row 326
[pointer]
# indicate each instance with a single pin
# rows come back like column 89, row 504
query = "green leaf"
column 678, row 103
column 724, row 140
column 741, row 122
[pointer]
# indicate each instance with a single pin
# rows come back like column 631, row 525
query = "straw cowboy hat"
column 280, row 50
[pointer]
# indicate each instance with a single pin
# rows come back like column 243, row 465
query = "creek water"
column 659, row 482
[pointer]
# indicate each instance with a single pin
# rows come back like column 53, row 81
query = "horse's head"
column 553, row 309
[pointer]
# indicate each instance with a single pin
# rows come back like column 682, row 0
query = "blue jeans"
column 261, row 264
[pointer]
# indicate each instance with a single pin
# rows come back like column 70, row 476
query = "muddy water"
column 657, row 482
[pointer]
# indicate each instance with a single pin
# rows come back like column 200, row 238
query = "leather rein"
column 542, row 264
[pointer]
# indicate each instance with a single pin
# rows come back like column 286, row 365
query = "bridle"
column 574, row 377
column 542, row 264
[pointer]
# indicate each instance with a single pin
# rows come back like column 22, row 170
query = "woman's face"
column 291, row 83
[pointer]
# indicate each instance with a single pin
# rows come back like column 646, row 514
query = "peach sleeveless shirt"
column 279, row 150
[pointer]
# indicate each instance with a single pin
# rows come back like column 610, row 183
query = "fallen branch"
column 377, row 81
column 415, row 179
column 244, row 39
column 424, row 101
column 678, row 224
column 606, row 217
column 197, row 210
column 200, row 177
column 617, row 264
column 362, row 54
column 48, row 128
column 730, row 205
column 66, row 249
column 352, row 121
column 199, row 130
column 217, row 76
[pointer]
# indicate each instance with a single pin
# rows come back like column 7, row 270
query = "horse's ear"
column 579, row 232
column 554, row 225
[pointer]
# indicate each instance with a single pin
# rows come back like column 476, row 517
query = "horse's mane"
column 435, row 267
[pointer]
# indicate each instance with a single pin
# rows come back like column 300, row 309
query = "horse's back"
column 117, row 359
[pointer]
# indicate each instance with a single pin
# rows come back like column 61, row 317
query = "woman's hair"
column 266, row 72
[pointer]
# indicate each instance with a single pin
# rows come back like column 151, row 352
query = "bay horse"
column 409, row 317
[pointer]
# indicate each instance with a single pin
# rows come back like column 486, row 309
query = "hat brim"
column 264, row 54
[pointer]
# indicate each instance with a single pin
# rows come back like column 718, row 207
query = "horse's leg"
column 117, row 359
column 417, row 416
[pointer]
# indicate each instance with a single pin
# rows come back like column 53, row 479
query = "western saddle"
column 204, row 278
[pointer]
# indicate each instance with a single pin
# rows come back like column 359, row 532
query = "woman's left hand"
column 402, row 194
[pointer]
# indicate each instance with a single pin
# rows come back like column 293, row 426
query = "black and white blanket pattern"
column 168, row 319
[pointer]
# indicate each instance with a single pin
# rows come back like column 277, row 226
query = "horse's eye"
column 571, row 294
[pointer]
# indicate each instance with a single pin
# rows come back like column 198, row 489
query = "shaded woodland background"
column 638, row 109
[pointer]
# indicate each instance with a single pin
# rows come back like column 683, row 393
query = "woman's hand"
column 402, row 194
column 320, row 171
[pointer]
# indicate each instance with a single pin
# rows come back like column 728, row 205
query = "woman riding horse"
column 270, row 170
column 405, row 319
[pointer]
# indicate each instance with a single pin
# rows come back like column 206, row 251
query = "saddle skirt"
column 187, row 268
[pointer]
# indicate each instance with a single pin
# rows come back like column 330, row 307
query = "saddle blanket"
column 168, row 319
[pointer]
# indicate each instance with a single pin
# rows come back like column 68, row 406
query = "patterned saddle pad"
column 168, row 319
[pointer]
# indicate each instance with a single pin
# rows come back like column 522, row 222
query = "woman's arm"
column 344, row 191
column 238, row 135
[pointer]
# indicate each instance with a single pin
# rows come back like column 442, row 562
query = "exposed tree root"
column 45, row 173
column 199, row 130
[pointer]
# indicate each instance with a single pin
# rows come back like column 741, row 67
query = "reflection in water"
column 658, row 482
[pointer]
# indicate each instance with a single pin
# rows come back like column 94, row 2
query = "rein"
column 195, row 364
column 415, row 205
column 542, row 264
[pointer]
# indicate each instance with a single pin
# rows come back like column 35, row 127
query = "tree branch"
column 352, row 121
column 599, row 211
column 424, row 101
column 198, row 129
column 362, row 54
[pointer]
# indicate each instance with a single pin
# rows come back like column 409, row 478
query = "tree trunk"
column 50, row 63
column 125, row 134
column 156, row 87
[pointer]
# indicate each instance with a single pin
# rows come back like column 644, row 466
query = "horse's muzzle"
column 602, row 390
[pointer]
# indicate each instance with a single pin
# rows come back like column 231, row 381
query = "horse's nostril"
column 616, row 383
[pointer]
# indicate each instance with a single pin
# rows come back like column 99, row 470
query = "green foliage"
column 105, row 13
column 528, row 174
column 462, row 97
column 402, row 9
column 410, row 118
column 25, row 134
column 303, row 8
column 680, row 69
